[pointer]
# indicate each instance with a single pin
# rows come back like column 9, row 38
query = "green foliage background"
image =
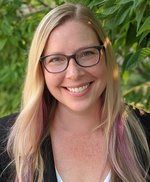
column 127, row 23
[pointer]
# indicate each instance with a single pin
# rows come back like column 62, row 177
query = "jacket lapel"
column 47, row 154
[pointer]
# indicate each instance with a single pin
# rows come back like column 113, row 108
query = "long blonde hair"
column 38, row 108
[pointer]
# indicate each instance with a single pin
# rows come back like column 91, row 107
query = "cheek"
column 100, row 71
column 52, row 80
column 103, row 70
column 101, row 78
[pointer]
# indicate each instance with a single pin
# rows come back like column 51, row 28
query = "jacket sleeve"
column 144, row 118
column 5, row 169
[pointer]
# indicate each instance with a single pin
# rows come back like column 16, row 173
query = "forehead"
column 71, row 35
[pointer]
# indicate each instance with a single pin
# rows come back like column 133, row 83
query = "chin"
column 80, row 109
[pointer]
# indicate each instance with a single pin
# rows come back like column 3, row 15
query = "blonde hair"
column 38, row 108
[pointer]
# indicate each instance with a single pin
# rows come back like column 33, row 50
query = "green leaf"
column 125, row 77
column 139, row 11
column 123, row 12
column 111, row 10
column 2, row 43
column 121, row 2
column 131, row 35
column 14, row 41
column 145, row 26
column 6, row 28
column 136, row 58
column 144, row 52
column 138, row 2
column 125, row 62
column 144, row 35
column 96, row 3
column 109, row 3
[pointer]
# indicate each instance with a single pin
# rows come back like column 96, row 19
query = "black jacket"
column 49, row 173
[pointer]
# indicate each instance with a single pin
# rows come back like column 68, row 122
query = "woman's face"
column 77, row 89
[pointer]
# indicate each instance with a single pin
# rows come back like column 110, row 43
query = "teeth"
column 79, row 89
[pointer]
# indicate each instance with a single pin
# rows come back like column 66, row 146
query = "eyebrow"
column 81, row 48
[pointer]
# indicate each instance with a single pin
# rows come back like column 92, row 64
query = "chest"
column 81, row 158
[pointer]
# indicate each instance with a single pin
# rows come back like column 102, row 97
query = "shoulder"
column 7, row 121
column 5, row 125
column 144, row 119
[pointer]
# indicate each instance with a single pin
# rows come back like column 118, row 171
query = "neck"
column 77, row 123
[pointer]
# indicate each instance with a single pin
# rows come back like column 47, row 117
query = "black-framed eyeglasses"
column 85, row 57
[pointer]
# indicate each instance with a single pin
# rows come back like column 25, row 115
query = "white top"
column 107, row 179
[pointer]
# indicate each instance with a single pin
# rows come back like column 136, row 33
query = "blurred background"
column 127, row 23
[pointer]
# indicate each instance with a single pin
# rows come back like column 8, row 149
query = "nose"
column 74, row 71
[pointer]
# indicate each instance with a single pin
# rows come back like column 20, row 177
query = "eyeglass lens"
column 85, row 58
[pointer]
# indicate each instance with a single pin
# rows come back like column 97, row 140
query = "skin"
column 67, row 39
column 77, row 114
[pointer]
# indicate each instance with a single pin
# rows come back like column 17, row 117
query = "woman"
column 73, row 125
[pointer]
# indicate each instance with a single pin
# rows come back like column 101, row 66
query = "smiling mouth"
column 78, row 89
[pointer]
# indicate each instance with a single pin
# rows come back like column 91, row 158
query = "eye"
column 55, row 60
column 88, row 53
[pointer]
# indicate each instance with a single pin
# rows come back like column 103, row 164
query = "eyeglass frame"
column 68, row 58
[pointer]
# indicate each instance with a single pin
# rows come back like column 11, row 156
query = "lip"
column 78, row 85
column 79, row 90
